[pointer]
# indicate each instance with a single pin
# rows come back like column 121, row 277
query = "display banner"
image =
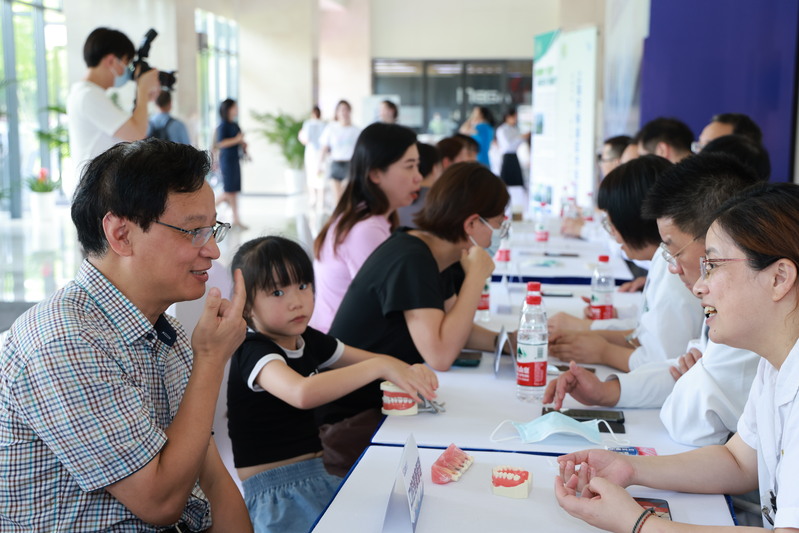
column 563, row 161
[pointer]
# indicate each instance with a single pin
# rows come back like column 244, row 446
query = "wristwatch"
column 632, row 340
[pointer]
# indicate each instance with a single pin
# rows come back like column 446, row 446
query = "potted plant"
column 44, row 189
column 282, row 130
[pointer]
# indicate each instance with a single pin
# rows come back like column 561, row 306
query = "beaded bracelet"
column 639, row 524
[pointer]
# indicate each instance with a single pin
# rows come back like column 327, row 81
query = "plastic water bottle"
column 531, row 351
column 533, row 289
column 542, row 223
column 484, row 307
column 602, row 287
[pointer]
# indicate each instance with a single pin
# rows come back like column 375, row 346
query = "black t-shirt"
column 262, row 427
column 400, row 275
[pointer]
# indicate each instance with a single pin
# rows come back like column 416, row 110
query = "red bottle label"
column 531, row 374
column 485, row 299
column 601, row 312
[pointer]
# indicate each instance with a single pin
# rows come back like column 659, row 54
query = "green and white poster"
column 562, row 163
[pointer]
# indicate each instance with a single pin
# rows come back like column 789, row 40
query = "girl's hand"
column 602, row 504
column 414, row 379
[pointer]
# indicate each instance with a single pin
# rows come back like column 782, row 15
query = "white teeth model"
column 709, row 310
column 399, row 403
column 510, row 482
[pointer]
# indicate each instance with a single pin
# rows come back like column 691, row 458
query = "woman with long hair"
column 403, row 301
column 384, row 176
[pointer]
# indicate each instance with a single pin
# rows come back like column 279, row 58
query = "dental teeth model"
column 510, row 482
column 451, row 465
column 396, row 401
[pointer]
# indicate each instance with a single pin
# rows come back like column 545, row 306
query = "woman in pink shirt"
column 384, row 175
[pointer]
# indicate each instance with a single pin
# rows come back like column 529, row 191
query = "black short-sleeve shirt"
column 400, row 275
column 262, row 427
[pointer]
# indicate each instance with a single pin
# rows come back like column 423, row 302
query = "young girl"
column 274, row 383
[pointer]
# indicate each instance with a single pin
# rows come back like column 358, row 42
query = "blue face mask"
column 550, row 424
column 496, row 238
column 123, row 78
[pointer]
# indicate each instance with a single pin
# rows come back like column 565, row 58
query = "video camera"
column 167, row 79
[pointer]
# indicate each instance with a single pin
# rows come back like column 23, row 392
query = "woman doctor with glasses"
column 750, row 295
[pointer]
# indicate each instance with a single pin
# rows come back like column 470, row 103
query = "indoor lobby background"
column 687, row 59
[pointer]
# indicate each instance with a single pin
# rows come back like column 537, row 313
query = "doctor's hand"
column 578, row 468
column 684, row 363
column 633, row 286
column 603, row 504
column 561, row 322
column 589, row 314
column 580, row 346
column 583, row 386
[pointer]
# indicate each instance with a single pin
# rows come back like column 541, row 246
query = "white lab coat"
column 670, row 317
column 704, row 405
column 770, row 425
column 707, row 401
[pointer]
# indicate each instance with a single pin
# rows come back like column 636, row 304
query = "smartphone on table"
column 661, row 507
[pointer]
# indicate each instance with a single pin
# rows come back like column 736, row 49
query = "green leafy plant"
column 58, row 137
column 42, row 182
column 281, row 130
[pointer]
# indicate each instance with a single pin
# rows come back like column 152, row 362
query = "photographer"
column 95, row 122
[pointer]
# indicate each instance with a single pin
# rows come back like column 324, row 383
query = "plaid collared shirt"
column 87, row 388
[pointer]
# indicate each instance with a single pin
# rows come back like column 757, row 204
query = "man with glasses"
column 107, row 407
column 703, row 392
column 96, row 123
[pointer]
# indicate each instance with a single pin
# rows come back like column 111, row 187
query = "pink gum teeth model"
column 397, row 402
column 510, row 482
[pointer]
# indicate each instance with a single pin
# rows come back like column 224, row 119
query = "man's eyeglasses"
column 707, row 266
column 600, row 159
column 670, row 257
column 200, row 236
column 607, row 225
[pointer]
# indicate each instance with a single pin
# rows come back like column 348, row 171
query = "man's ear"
column 663, row 149
column 108, row 59
column 117, row 233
